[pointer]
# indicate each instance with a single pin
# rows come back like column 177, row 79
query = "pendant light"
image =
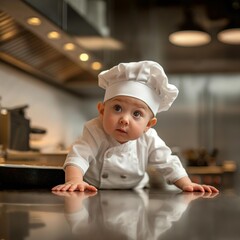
column 230, row 34
column 189, row 33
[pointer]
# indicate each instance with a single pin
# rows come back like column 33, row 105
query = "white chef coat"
column 107, row 164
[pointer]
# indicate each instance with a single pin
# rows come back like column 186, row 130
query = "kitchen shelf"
column 228, row 166
column 214, row 175
column 206, row 170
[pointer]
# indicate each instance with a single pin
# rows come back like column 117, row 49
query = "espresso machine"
column 15, row 129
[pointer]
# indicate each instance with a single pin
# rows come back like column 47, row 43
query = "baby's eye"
column 137, row 114
column 117, row 108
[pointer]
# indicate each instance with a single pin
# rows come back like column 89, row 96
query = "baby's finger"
column 72, row 188
column 214, row 190
column 207, row 188
column 81, row 187
column 198, row 187
column 58, row 187
column 91, row 188
column 66, row 186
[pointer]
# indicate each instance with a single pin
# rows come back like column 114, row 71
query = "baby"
column 116, row 148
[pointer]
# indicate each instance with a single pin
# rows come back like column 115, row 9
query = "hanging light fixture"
column 189, row 33
column 230, row 34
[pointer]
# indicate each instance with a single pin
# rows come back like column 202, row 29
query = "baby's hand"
column 193, row 187
column 187, row 185
column 74, row 186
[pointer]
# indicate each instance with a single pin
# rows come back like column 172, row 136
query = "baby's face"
column 126, row 118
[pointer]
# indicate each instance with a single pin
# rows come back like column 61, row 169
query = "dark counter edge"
column 30, row 178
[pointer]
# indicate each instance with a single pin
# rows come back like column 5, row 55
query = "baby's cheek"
column 108, row 125
column 138, row 131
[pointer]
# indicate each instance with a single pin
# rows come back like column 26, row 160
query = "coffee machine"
column 15, row 129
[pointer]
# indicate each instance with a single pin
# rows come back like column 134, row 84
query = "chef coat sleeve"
column 160, row 157
column 83, row 151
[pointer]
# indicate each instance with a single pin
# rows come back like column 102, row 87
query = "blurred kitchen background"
column 51, row 52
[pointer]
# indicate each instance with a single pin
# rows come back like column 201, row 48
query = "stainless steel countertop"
column 118, row 214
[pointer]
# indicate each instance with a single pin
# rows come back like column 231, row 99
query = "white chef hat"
column 145, row 80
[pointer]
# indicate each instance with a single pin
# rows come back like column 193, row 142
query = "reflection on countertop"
column 123, row 214
column 115, row 214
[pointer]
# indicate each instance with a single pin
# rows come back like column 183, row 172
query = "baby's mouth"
column 121, row 130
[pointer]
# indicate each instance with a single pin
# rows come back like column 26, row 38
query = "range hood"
column 29, row 49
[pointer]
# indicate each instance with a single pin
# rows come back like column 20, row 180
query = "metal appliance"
column 15, row 129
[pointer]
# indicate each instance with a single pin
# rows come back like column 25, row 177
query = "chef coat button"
column 105, row 175
column 123, row 176
column 109, row 154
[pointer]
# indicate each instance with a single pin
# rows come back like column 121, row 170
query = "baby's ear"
column 100, row 107
column 152, row 122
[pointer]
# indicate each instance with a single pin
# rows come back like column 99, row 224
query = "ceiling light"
column 99, row 43
column 53, row 35
column 230, row 36
column 189, row 38
column 84, row 57
column 190, row 33
column 69, row 46
column 34, row 21
column 96, row 65
column 4, row 111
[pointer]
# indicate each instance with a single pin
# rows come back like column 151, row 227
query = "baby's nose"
column 124, row 120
